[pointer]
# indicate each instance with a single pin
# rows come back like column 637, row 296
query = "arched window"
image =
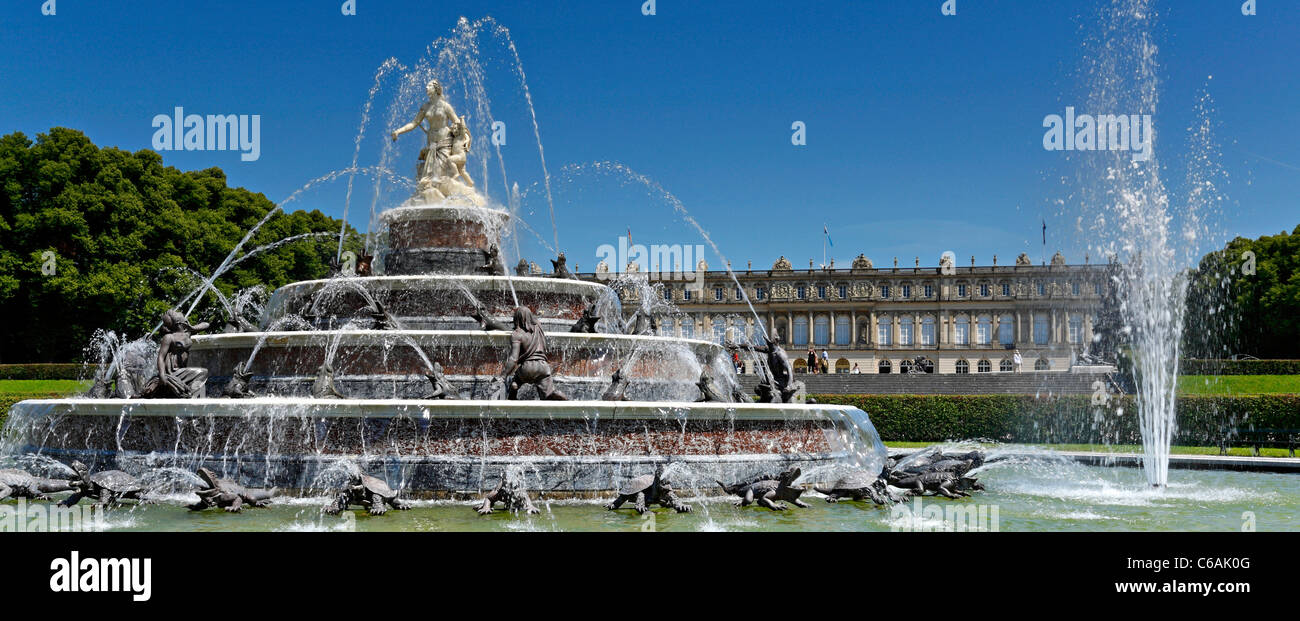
column 719, row 329
column 905, row 365
column 927, row 331
column 738, row 331
column 1076, row 329
column 962, row 336
column 842, row 365
column 1006, row 330
column 800, row 365
column 843, row 335
column 984, row 366
column 688, row 327
column 984, row 330
column 885, row 367
column 800, row 330
column 927, row 365
column 884, row 331
column 963, row 367
column 822, row 330
column 1005, row 366
column 905, row 331
column 1041, row 364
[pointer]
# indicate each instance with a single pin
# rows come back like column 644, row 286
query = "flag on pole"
column 629, row 236
column 1044, row 231
column 828, row 235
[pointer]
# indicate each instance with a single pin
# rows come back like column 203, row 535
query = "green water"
column 1035, row 495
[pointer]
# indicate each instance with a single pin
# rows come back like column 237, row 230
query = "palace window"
column 821, row 291
column 688, row 327
column 717, row 293
column 927, row 331
column 1076, row 329
column 822, row 330
column 1042, row 365
column 800, row 330
column 719, row 329
column 740, row 293
column 962, row 336
column 961, row 291
column 686, row 294
column 884, row 292
column 885, row 331
column 905, row 331
column 1096, row 288
column 885, row 367
column 1005, row 366
column 802, row 292
column 1074, row 288
column 907, row 291
column 929, row 291
column 1040, row 328
column 963, row 367
column 1042, row 288
column 843, row 334
column 668, row 293
column 843, row 291
column 1006, row 330
column 984, row 291
column 984, row 366
column 984, row 330
column 1006, row 289
column 760, row 293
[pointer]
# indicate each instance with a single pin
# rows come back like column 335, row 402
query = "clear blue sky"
column 924, row 132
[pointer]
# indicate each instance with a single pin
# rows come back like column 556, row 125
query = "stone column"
column 831, row 327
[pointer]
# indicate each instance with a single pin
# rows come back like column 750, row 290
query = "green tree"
column 1239, row 308
column 126, row 235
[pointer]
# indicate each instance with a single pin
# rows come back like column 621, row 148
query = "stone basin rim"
column 503, row 281
column 284, row 337
column 437, row 409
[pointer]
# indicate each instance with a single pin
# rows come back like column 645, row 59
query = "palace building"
column 955, row 319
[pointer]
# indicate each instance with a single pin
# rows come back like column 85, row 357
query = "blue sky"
column 924, row 132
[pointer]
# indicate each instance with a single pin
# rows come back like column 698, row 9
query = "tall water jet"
column 1127, row 207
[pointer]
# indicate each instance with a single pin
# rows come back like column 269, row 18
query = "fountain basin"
column 447, row 447
column 386, row 363
column 433, row 302
column 444, row 238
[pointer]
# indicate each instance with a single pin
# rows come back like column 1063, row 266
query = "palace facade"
column 957, row 319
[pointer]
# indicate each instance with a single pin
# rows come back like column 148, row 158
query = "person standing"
column 826, row 361
column 1017, row 360
column 812, row 360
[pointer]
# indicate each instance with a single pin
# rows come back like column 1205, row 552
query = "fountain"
column 409, row 372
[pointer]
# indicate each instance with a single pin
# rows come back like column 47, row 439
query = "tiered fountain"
column 400, row 368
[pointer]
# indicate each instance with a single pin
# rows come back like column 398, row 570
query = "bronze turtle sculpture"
column 107, row 486
column 646, row 490
column 370, row 492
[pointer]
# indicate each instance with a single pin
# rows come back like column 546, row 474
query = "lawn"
column 1238, row 384
column 1241, row 451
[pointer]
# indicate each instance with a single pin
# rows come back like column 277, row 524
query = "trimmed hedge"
column 1238, row 367
column 1203, row 420
column 46, row 371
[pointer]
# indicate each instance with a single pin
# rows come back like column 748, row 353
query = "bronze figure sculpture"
column 527, row 363
column 175, row 379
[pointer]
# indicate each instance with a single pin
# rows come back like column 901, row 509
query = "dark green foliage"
column 1239, row 367
column 124, row 229
column 1231, row 312
column 1202, row 420
column 46, row 371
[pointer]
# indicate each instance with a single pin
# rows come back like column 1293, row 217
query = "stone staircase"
column 1026, row 383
